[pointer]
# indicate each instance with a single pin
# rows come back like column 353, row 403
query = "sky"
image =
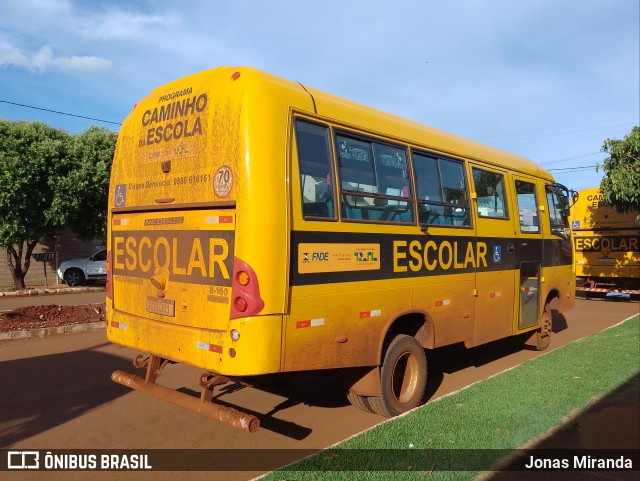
column 546, row 79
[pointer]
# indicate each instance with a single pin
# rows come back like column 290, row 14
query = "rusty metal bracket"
column 140, row 361
column 208, row 381
column 153, row 364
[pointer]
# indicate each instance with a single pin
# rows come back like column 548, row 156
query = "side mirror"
column 567, row 197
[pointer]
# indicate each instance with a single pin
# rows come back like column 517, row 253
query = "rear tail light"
column 245, row 291
column 240, row 303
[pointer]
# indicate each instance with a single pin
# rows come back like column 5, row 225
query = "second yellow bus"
column 606, row 245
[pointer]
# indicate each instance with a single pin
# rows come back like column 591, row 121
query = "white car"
column 76, row 272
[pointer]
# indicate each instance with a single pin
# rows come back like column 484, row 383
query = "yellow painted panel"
column 340, row 328
column 257, row 351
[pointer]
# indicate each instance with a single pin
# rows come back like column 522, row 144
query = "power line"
column 566, row 133
column 60, row 113
column 484, row 139
column 566, row 159
column 537, row 142
column 573, row 169
column 558, row 137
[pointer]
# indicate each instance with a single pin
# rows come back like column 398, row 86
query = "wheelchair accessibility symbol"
column 497, row 254
column 120, row 197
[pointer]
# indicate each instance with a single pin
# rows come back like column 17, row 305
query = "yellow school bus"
column 258, row 226
column 606, row 244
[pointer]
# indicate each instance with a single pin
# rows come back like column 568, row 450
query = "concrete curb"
column 44, row 292
column 52, row 331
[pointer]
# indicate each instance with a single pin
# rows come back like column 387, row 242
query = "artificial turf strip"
column 489, row 418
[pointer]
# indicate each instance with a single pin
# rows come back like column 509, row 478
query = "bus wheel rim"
column 405, row 377
column 545, row 330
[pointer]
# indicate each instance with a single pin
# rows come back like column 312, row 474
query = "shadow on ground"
column 612, row 423
column 40, row 393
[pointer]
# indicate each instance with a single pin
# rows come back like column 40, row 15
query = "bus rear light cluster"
column 245, row 291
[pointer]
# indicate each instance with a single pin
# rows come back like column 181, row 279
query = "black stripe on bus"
column 403, row 256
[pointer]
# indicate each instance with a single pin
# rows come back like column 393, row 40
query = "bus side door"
column 529, row 250
column 495, row 281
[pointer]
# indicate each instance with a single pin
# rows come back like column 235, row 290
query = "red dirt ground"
column 37, row 317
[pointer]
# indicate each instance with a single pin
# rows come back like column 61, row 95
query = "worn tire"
column 74, row 277
column 543, row 334
column 403, row 377
column 361, row 402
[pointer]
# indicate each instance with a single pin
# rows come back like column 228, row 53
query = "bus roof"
column 362, row 116
column 358, row 116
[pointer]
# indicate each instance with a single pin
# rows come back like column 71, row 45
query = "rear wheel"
column 74, row 277
column 361, row 402
column 543, row 335
column 403, row 377
column 589, row 284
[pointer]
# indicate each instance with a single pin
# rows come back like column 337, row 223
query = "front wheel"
column 543, row 335
column 74, row 277
column 403, row 377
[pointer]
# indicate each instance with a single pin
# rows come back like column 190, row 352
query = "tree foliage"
column 50, row 180
column 86, row 186
column 621, row 184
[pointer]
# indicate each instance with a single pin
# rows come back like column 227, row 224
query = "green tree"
column 50, row 180
column 32, row 156
column 621, row 184
column 86, row 187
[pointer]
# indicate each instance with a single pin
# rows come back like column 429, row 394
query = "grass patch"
column 486, row 420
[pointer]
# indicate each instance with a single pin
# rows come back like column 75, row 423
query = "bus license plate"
column 164, row 307
column 606, row 260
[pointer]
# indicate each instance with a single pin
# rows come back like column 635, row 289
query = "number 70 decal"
column 223, row 181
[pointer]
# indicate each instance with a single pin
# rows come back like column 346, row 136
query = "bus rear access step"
column 612, row 290
column 204, row 405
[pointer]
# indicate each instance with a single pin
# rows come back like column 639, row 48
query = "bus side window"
column 442, row 191
column 374, row 181
column 489, row 187
column 393, row 182
column 527, row 207
column 316, row 176
column 557, row 220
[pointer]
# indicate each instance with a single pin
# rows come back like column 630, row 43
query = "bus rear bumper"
column 255, row 352
column 204, row 405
